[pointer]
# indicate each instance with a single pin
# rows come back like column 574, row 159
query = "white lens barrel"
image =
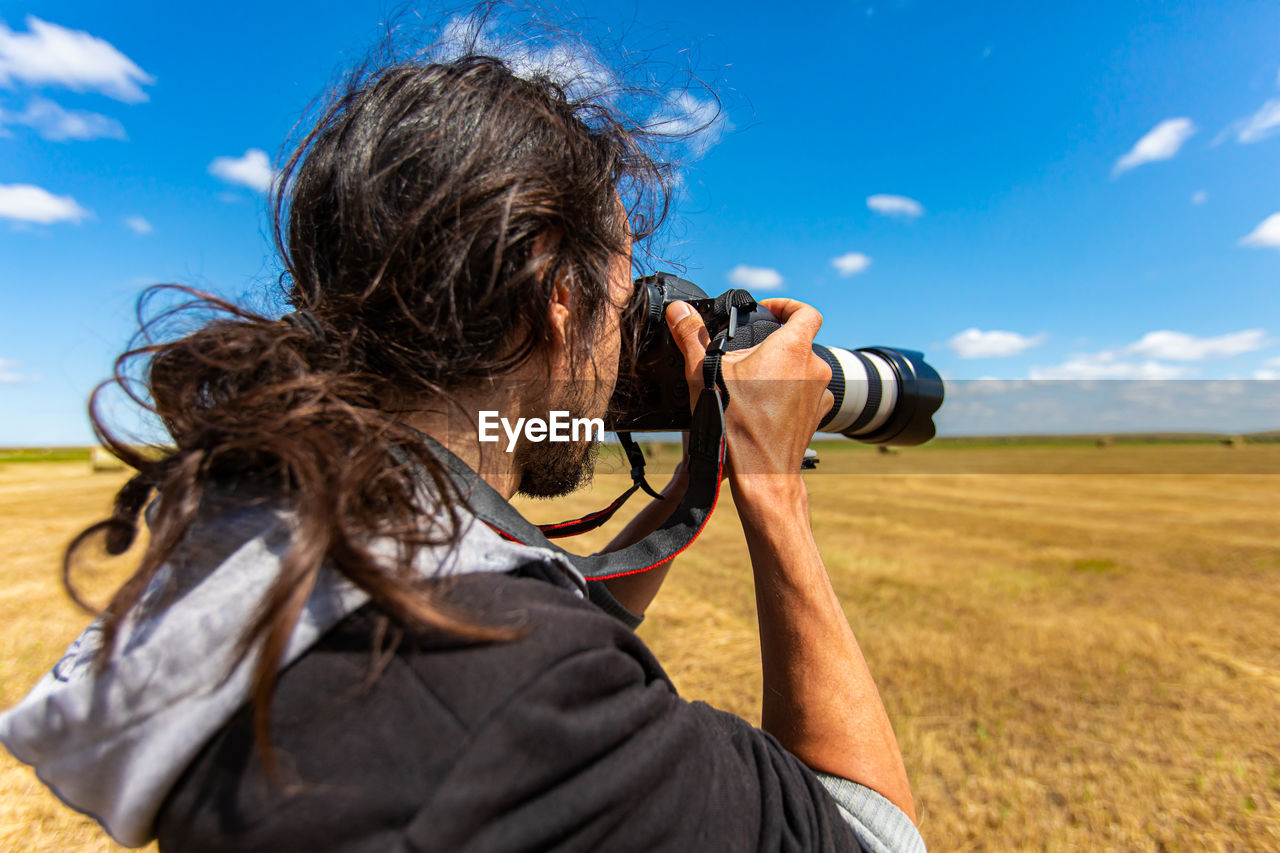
column 870, row 392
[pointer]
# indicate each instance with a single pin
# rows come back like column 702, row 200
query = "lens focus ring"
column 835, row 386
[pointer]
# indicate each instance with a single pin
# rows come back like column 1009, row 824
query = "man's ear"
column 560, row 312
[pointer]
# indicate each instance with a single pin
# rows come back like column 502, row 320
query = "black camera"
column 882, row 395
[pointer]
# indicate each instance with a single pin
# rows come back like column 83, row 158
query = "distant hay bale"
column 101, row 459
column 886, row 449
column 1106, row 441
column 1234, row 441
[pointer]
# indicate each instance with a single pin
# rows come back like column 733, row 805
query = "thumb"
column 690, row 334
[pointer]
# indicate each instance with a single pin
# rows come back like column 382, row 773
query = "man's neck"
column 457, row 428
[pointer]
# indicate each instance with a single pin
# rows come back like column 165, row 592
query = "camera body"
column 882, row 395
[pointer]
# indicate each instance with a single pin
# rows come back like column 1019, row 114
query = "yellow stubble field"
column 1071, row 661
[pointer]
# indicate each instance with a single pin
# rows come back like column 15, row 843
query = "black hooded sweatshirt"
column 570, row 737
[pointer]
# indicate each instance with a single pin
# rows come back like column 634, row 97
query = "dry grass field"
column 1072, row 661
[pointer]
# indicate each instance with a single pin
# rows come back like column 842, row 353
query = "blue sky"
column 1028, row 190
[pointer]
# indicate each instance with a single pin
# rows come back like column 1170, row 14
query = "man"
column 324, row 649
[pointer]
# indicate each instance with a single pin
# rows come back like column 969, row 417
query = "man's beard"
column 552, row 469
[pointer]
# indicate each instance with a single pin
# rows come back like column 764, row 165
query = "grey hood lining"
column 112, row 744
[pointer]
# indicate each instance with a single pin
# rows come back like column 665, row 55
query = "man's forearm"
column 820, row 700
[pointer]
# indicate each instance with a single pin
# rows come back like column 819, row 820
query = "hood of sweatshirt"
column 112, row 743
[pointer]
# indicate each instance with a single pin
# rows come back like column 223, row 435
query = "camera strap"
column 712, row 377
column 706, row 468
column 595, row 519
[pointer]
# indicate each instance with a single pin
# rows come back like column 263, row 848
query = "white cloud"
column 53, row 122
column 7, row 373
column 1199, row 197
column 1257, row 127
column 755, row 278
column 701, row 123
column 253, row 170
column 975, row 343
column 1264, row 373
column 1178, row 346
column 1161, row 143
column 27, row 203
column 1105, row 365
column 575, row 67
column 851, row 264
column 1106, row 407
column 1158, row 347
column 1266, row 235
column 895, row 205
column 138, row 225
column 48, row 54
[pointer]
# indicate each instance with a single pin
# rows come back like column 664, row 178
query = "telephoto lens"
column 882, row 395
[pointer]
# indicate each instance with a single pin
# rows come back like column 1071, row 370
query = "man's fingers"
column 796, row 315
column 690, row 333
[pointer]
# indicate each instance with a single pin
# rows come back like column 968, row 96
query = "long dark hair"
column 407, row 219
